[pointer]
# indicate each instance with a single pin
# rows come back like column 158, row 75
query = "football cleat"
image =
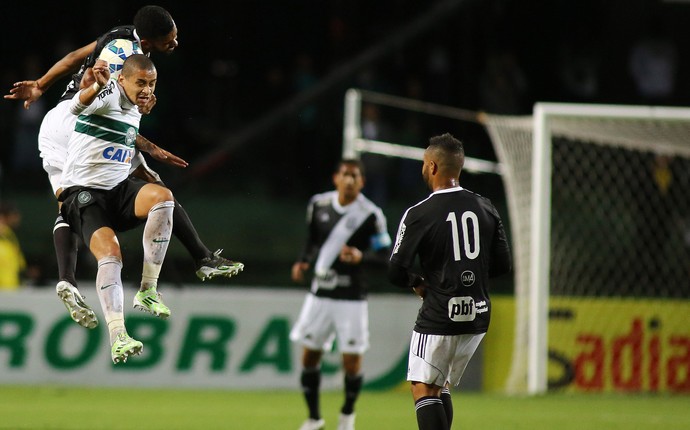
column 346, row 422
column 215, row 265
column 123, row 347
column 150, row 301
column 80, row 312
column 312, row 424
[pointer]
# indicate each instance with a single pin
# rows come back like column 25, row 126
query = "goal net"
column 601, row 227
column 599, row 212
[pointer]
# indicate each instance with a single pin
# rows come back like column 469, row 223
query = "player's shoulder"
column 322, row 199
column 367, row 204
column 418, row 209
column 484, row 202
column 477, row 196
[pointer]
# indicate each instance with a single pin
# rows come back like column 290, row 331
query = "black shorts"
column 88, row 209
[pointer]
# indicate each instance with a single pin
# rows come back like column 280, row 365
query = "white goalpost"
column 599, row 208
column 639, row 131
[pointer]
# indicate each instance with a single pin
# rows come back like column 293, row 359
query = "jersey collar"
column 136, row 36
column 340, row 208
column 448, row 190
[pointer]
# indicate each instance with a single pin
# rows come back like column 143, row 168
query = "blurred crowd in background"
column 253, row 96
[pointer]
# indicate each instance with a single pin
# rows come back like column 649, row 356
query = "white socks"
column 157, row 232
column 110, row 294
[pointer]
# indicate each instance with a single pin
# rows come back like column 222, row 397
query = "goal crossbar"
column 354, row 143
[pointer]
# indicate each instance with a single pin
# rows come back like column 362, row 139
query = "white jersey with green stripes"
column 100, row 150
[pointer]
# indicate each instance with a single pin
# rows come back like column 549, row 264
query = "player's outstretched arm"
column 30, row 91
column 158, row 153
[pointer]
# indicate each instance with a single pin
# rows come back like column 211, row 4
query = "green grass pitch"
column 71, row 408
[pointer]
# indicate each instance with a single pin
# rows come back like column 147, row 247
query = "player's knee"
column 111, row 249
column 165, row 195
column 352, row 364
column 103, row 243
column 421, row 389
column 158, row 194
column 311, row 358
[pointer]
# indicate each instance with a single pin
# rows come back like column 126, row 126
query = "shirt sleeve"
column 78, row 108
column 407, row 240
column 501, row 258
column 311, row 248
column 381, row 239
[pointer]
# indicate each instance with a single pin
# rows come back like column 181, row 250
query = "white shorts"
column 53, row 139
column 440, row 360
column 322, row 320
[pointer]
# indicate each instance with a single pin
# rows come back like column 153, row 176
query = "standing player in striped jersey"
column 460, row 241
column 101, row 198
column 346, row 231
column 154, row 30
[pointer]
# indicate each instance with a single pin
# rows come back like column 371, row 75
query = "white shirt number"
column 466, row 219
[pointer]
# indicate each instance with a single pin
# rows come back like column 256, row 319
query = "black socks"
column 353, row 385
column 430, row 414
column 184, row 231
column 65, row 243
column 310, row 381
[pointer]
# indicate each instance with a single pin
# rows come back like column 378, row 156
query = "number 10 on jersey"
column 467, row 220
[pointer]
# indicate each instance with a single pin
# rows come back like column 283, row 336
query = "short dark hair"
column 350, row 162
column 452, row 149
column 136, row 62
column 153, row 22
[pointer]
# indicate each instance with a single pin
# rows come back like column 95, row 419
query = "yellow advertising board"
column 639, row 345
column 602, row 345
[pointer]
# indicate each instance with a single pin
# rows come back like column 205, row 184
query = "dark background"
column 253, row 99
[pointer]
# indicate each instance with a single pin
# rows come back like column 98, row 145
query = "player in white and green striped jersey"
column 100, row 198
